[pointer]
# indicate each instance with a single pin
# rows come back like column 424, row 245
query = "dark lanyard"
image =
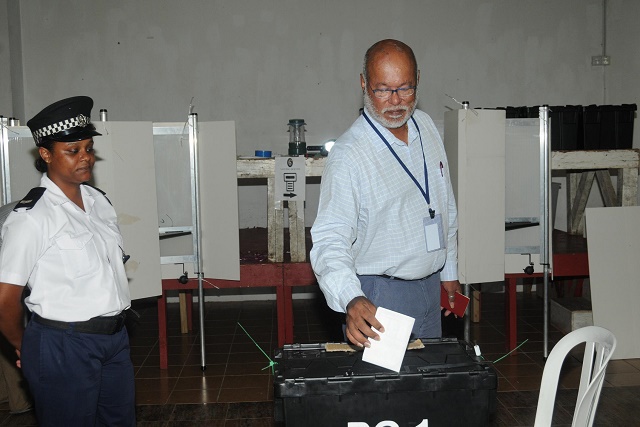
column 425, row 191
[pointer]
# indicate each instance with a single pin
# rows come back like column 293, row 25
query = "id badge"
column 433, row 233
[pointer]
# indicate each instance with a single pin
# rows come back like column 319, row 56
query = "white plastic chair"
column 599, row 346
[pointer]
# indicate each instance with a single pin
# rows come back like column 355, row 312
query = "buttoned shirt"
column 71, row 259
column 371, row 214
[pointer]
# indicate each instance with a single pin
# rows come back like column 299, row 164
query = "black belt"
column 398, row 278
column 96, row 325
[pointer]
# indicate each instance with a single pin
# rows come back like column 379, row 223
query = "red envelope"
column 460, row 302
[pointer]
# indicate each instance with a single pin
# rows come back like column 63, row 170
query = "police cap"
column 67, row 120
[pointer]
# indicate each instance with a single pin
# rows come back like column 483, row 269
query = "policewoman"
column 62, row 241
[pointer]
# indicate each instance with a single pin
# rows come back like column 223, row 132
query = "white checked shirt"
column 371, row 213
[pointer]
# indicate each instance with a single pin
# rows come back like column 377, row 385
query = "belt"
column 398, row 278
column 96, row 325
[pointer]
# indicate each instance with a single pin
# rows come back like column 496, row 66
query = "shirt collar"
column 412, row 138
column 57, row 196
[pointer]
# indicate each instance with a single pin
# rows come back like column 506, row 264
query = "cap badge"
column 82, row 120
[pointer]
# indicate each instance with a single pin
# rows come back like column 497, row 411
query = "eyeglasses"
column 403, row 92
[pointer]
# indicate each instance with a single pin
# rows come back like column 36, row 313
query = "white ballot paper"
column 389, row 351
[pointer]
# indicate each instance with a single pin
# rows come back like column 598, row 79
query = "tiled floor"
column 236, row 388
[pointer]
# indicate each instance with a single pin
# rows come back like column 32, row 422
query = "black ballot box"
column 442, row 384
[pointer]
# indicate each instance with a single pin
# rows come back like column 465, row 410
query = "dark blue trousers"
column 79, row 379
column 419, row 299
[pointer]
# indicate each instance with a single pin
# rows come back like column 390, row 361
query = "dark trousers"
column 79, row 379
column 419, row 299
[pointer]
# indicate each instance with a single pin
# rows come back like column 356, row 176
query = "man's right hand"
column 360, row 318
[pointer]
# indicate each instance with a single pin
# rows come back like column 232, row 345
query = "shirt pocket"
column 77, row 252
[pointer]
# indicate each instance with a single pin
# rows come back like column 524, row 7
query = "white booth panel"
column 613, row 237
column 125, row 170
column 219, row 200
column 523, row 194
column 522, row 185
column 22, row 154
column 475, row 144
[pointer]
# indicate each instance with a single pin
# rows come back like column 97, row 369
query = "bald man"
column 385, row 234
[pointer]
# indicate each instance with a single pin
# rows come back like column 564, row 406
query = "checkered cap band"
column 79, row 121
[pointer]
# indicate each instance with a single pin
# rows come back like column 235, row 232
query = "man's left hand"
column 451, row 286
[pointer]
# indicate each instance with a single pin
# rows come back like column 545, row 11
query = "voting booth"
column 174, row 189
column 124, row 170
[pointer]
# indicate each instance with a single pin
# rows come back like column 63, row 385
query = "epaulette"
column 30, row 200
column 98, row 190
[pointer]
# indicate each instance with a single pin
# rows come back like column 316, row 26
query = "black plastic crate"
column 566, row 127
column 625, row 116
column 592, row 125
column 608, row 127
column 517, row 112
column 313, row 387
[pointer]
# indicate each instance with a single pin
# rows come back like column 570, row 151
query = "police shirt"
column 71, row 259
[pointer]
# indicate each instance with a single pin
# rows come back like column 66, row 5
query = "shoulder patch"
column 30, row 200
column 99, row 190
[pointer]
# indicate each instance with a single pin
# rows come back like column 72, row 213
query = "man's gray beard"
column 389, row 124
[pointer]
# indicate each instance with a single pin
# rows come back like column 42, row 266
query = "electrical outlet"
column 600, row 60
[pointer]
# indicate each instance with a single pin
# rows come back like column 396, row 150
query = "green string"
column 271, row 362
column 521, row 344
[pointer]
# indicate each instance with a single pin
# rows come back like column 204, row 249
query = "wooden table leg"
column 189, row 294
column 182, row 298
column 511, row 313
column 288, row 313
column 280, row 307
column 162, row 330
column 578, row 290
column 476, row 301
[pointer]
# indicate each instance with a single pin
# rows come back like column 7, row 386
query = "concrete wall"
column 262, row 62
column 5, row 63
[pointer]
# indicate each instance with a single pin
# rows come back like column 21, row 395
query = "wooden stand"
column 584, row 166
